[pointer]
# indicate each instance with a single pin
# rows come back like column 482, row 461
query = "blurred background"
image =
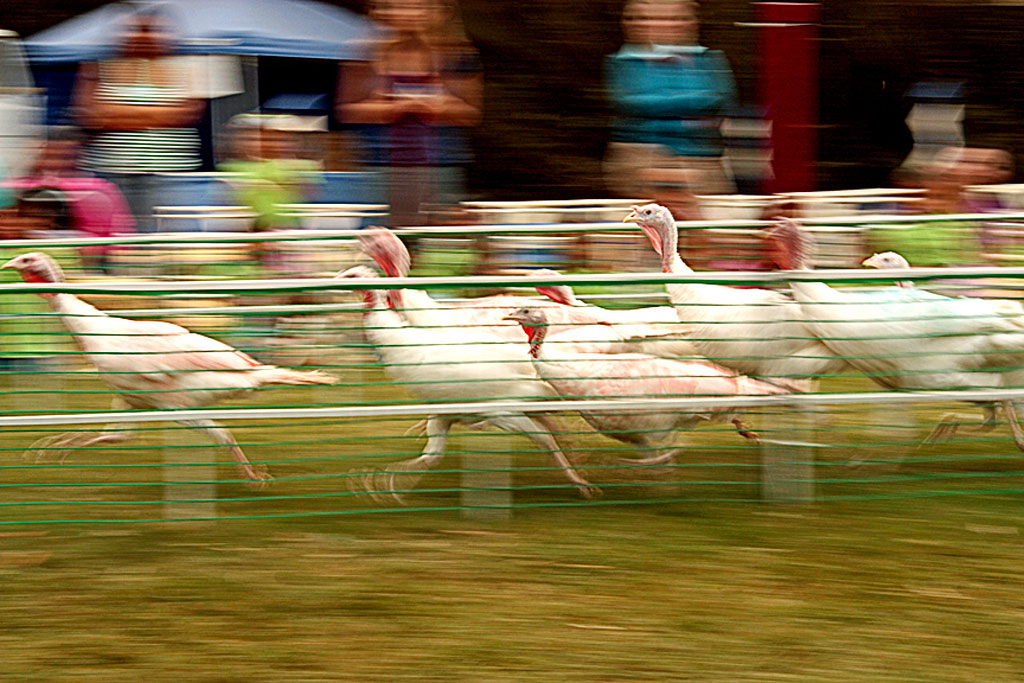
column 546, row 117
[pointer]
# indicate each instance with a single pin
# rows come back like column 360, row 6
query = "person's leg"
column 410, row 190
column 133, row 187
column 624, row 166
column 151, row 191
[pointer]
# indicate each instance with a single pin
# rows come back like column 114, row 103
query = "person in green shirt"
column 269, row 172
column 934, row 243
column 930, row 243
column 266, row 175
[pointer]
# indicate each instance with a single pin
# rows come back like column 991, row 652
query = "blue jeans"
column 142, row 191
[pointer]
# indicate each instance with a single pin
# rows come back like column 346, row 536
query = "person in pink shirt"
column 62, row 197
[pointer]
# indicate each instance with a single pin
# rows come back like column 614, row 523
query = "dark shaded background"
column 545, row 121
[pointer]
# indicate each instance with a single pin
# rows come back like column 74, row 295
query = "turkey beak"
column 9, row 264
column 515, row 316
column 342, row 275
column 632, row 217
column 869, row 262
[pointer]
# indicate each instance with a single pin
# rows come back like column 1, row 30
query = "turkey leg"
column 524, row 424
column 411, row 471
column 951, row 423
column 257, row 474
column 61, row 445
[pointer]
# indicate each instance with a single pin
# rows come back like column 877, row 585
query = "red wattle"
column 389, row 269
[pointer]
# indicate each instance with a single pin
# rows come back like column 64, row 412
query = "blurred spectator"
column 419, row 86
column 140, row 109
column 56, row 196
column 943, row 181
column 934, row 243
column 985, row 166
column 981, row 167
column 269, row 176
column 669, row 95
column 269, row 172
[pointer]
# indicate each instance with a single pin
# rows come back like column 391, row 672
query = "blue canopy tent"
column 260, row 28
column 249, row 29
column 270, row 28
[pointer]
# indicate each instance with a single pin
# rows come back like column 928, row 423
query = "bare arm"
column 92, row 112
column 461, row 103
column 360, row 99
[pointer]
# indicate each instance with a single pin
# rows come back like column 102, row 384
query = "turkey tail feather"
column 270, row 376
column 753, row 387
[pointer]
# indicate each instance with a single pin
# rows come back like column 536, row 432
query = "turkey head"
column 36, row 267
column 658, row 223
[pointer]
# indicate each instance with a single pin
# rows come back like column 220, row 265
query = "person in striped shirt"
column 141, row 112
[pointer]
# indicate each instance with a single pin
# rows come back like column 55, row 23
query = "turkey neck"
column 377, row 316
column 687, row 292
column 74, row 311
column 672, row 264
column 536, row 334
column 376, row 303
column 80, row 319
column 808, row 291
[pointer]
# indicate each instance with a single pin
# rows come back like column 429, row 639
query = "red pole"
column 789, row 89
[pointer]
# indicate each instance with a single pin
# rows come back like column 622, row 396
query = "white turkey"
column 635, row 376
column 909, row 338
column 444, row 364
column 758, row 332
column 156, row 365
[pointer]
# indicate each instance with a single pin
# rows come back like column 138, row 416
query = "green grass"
column 907, row 568
column 838, row 591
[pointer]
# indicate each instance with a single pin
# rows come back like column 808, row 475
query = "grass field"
column 924, row 591
column 924, row 586
column 907, row 568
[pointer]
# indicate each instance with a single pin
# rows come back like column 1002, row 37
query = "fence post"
column 486, row 486
column 189, row 491
column 787, row 465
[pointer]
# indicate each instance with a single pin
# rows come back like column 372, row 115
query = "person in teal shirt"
column 669, row 96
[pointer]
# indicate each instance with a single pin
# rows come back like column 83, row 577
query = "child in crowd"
column 60, row 197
